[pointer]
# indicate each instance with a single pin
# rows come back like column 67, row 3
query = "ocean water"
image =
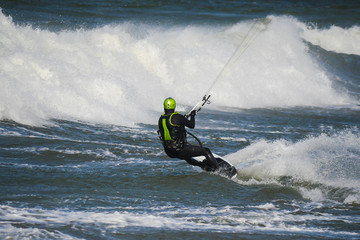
column 81, row 90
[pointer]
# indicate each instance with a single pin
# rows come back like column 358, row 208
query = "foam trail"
column 121, row 74
column 327, row 160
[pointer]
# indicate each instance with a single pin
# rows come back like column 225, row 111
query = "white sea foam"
column 265, row 218
column 10, row 232
column 234, row 139
column 266, row 206
column 337, row 39
column 325, row 160
column 121, row 73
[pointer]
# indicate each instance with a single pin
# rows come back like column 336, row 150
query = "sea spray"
column 317, row 166
column 121, row 73
column 335, row 39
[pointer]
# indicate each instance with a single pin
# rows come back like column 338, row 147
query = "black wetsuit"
column 179, row 147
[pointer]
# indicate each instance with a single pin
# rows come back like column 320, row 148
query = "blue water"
column 82, row 86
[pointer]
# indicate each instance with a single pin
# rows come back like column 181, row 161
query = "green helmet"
column 169, row 103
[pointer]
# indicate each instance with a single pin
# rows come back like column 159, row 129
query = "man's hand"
column 193, row 113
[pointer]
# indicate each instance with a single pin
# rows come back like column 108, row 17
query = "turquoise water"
column 82, row 86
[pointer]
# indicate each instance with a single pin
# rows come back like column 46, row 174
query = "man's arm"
column 179, row 119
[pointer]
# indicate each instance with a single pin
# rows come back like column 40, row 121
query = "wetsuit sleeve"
column 179, row 119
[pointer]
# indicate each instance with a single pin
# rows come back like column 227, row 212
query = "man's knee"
column 207, row 150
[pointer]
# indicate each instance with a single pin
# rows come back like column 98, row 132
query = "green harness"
column 172, row 136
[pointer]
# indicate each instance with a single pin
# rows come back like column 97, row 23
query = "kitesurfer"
column 173, row 137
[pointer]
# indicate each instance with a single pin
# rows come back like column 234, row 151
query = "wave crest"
column 335, row 39
column 121, row 74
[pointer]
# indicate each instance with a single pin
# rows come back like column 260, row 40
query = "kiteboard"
column 226, row 169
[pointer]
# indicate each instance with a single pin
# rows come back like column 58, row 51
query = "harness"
column 172, row 136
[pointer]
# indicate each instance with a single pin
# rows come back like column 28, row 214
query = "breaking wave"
column 321, row 168
column 121, row 73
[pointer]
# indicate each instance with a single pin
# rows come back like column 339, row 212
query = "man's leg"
column 194, row 162
column 190, row 151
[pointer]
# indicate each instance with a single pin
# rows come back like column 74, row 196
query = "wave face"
column 121, row 73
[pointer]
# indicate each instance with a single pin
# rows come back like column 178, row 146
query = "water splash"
column 121, row 73
column 324, row 167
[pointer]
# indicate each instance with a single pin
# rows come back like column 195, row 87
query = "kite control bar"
column 199, row 105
